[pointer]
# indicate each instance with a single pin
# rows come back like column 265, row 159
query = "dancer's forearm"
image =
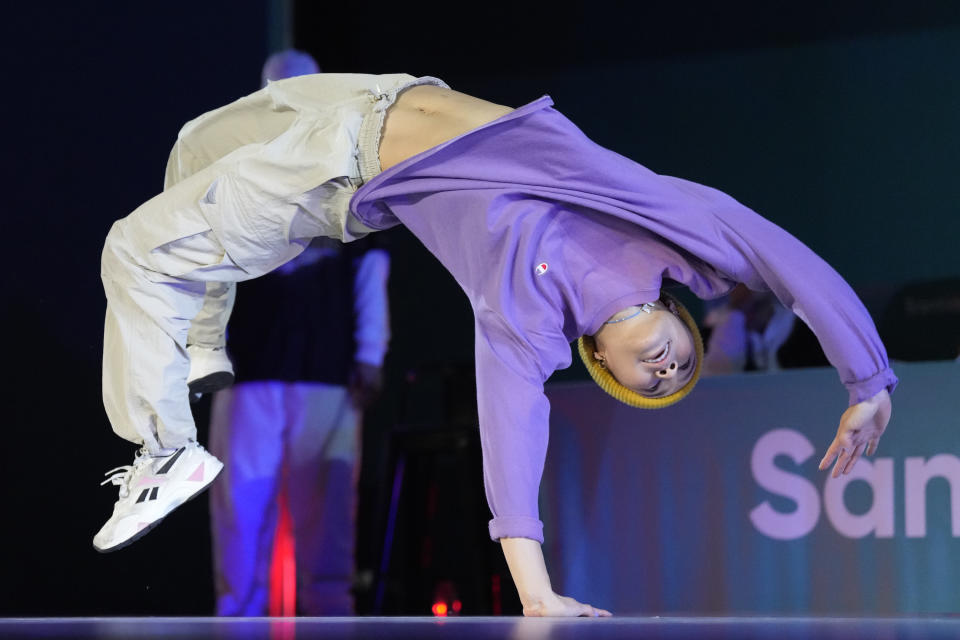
column 529, row 571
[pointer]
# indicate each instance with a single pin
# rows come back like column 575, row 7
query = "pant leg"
column 323, row 464
column 209, row 326
column 155, row 266
column 258, row 119
column 238, row 217
column 234, row 220
column 246, row 433
column 201, row 143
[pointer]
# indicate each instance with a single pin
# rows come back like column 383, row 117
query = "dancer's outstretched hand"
column 860, row 429
column 562, row 606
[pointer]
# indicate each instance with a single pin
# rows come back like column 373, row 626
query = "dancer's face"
column 651, row 353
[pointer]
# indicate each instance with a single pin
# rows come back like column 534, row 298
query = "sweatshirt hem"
column 516, row 527
column 865, row 389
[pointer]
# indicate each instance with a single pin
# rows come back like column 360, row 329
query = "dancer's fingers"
column 829, row 455
column 841, row 463
column 853, row 459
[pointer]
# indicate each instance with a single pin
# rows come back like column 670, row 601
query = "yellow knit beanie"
column 588, row 346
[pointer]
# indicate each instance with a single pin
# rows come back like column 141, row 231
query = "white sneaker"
column 210, row 369
column 152, row 487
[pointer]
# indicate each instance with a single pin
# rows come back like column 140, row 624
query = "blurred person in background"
column 307, row 343
column 747, row 329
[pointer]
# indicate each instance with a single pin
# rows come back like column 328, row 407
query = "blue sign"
column 715, row 505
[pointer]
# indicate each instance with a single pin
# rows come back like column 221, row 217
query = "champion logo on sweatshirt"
column 541, row 269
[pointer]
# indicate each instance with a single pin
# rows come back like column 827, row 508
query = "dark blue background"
column 95, row 93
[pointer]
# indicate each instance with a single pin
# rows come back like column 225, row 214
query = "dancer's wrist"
column 528, row 569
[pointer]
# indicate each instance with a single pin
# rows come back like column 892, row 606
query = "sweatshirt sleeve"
column 514, row 428
column 755, row 251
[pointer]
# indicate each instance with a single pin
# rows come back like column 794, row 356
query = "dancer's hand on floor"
column 860, row 429
column 525, row 559
column 562, row 606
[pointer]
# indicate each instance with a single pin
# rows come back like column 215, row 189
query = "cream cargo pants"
column 247, row 187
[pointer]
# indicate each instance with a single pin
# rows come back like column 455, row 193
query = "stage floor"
column 617, row 628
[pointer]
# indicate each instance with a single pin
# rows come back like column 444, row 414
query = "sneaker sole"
column 147, row 529
column 211, row 383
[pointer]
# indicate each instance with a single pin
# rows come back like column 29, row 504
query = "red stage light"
column 283, row 565
column 457, row 605
column 440, row 609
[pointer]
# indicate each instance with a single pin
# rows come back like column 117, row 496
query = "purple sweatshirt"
column 550, row 234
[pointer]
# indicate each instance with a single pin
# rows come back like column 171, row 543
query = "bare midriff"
column 426, row 115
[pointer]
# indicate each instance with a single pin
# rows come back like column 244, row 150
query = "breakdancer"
column 552, row 237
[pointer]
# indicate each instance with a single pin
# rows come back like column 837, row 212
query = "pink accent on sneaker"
column 197, row 475
column 151, row 481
